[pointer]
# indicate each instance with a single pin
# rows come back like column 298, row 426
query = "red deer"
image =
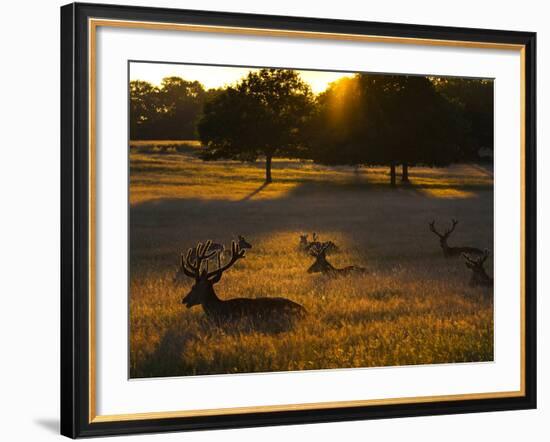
column 321, row 265
column 275, row 314
column 479, row 278
column 449, row 251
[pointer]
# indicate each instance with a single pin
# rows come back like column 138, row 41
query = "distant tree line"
column 167, row 112
column 367, row 119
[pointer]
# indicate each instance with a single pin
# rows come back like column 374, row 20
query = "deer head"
column 445, row 235
column 303, row 240
column 321, row 264
column 243, row 243
column 205, row 280
column 476, row 265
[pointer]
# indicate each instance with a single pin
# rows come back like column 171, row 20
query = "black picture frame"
column 75, row 220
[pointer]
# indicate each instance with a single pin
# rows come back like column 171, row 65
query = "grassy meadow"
column 413, row 306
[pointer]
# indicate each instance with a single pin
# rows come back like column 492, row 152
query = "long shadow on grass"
column 161, row 229
column 255, row 192
column 168, row 359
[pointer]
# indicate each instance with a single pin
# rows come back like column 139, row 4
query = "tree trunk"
column 268, row 169
column 392, row 174
column 405, row 174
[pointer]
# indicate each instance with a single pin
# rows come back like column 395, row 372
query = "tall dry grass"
column 412, row 307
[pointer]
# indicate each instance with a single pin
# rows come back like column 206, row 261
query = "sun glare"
column 220, row 76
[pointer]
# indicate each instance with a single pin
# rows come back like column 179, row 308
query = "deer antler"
column 432, row 229
column 477, row 261
column 469, row 259
column 447, row 231
column 452, row 228
column 319, row 249
column 236, row 254
column 314, row 251
column 185, row 269
column 202, row 253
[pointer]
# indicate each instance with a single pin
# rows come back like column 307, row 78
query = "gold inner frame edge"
column 93, row 24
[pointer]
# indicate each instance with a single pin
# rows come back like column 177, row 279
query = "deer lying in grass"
column 306, row 245
column 321, row 265
column 449, row 251
column 275, row 314
column 479, row 278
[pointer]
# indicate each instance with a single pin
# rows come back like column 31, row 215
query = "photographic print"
column 285, row 220
column 272, row 220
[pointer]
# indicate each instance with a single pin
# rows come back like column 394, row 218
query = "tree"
column 263, row 115
column 384, row 120
column 422, row 124
column 473, row 100
column 143, row 109
column 181, row 103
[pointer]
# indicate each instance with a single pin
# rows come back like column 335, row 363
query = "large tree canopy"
column 384, row 120
column 262, row 116
column 182, row 102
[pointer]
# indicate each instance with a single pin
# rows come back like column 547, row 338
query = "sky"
column 219, row 76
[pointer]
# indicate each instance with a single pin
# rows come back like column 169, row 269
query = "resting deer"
column 273, row 313
column 449, row 251
column 479, row 278
column 321, row 265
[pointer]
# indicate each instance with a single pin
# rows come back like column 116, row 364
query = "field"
column 413, row 306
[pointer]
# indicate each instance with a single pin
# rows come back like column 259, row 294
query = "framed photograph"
column 275, row 220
